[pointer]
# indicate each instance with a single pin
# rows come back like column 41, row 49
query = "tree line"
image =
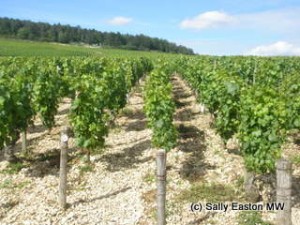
column 40, row 31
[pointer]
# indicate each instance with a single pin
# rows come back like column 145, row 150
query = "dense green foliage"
column 262, row 128
column 16, row 109
column 27, row 30
column 101, row 87
column 46, row 94
column 255, row 98
column 160, row 106
column 291, row 87
column 98, row 86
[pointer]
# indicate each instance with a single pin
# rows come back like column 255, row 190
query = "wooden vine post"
column 161, row 186
column 283, row 192
column 215, row 65
column 24, row 144
column 251, row 194
column 63, row 167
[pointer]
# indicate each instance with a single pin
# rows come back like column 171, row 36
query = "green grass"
column 86, row 168
column 13, row 168
column 209, row 193
column 149, row 178
column 251, row 218
column 6, row 184
column 10, row 47
column 9, row 184
column 13, row 47
column 296, row 160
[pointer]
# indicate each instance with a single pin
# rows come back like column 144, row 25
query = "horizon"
column 210, row 28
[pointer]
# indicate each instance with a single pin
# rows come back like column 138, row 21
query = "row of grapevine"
column 29, row 89
column 101, row 91
column 32, row 86
column 160, row 107
column 255, row 98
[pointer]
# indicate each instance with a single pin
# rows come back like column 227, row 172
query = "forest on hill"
column 40, row 31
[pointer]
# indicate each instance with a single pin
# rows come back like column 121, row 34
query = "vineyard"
column 222, row 121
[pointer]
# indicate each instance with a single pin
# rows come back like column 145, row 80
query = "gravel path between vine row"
column 121, row 188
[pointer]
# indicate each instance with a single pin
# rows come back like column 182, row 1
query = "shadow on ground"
column 180, row 104
column 191, row 139
column 37, row 129
column 102, row 196
column 43, row 164
column 133, row 114
column 184, row 115
column 63, row 112
column 128, row 158
column 137, row 125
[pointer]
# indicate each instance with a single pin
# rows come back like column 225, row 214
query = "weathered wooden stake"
column 9, row 151
column 254, row 73
column 161, row 186
column 251, row 194
column 284, row 188
column 215, row 65
column 63, row 167
column 202, row 108
column 88, row 156
column 24, row 144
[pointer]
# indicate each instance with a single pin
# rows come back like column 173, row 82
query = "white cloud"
column 283, row 21
column 210, row 19
column 120, row 21
column 279, row 48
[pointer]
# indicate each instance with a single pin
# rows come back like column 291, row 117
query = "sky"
column 215, row 27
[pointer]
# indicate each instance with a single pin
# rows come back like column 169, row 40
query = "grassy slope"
column 12, row 47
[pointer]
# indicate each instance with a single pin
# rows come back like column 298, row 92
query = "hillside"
column 15, row 47
column 28, row 30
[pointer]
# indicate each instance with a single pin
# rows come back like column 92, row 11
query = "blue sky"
column 218, row 27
